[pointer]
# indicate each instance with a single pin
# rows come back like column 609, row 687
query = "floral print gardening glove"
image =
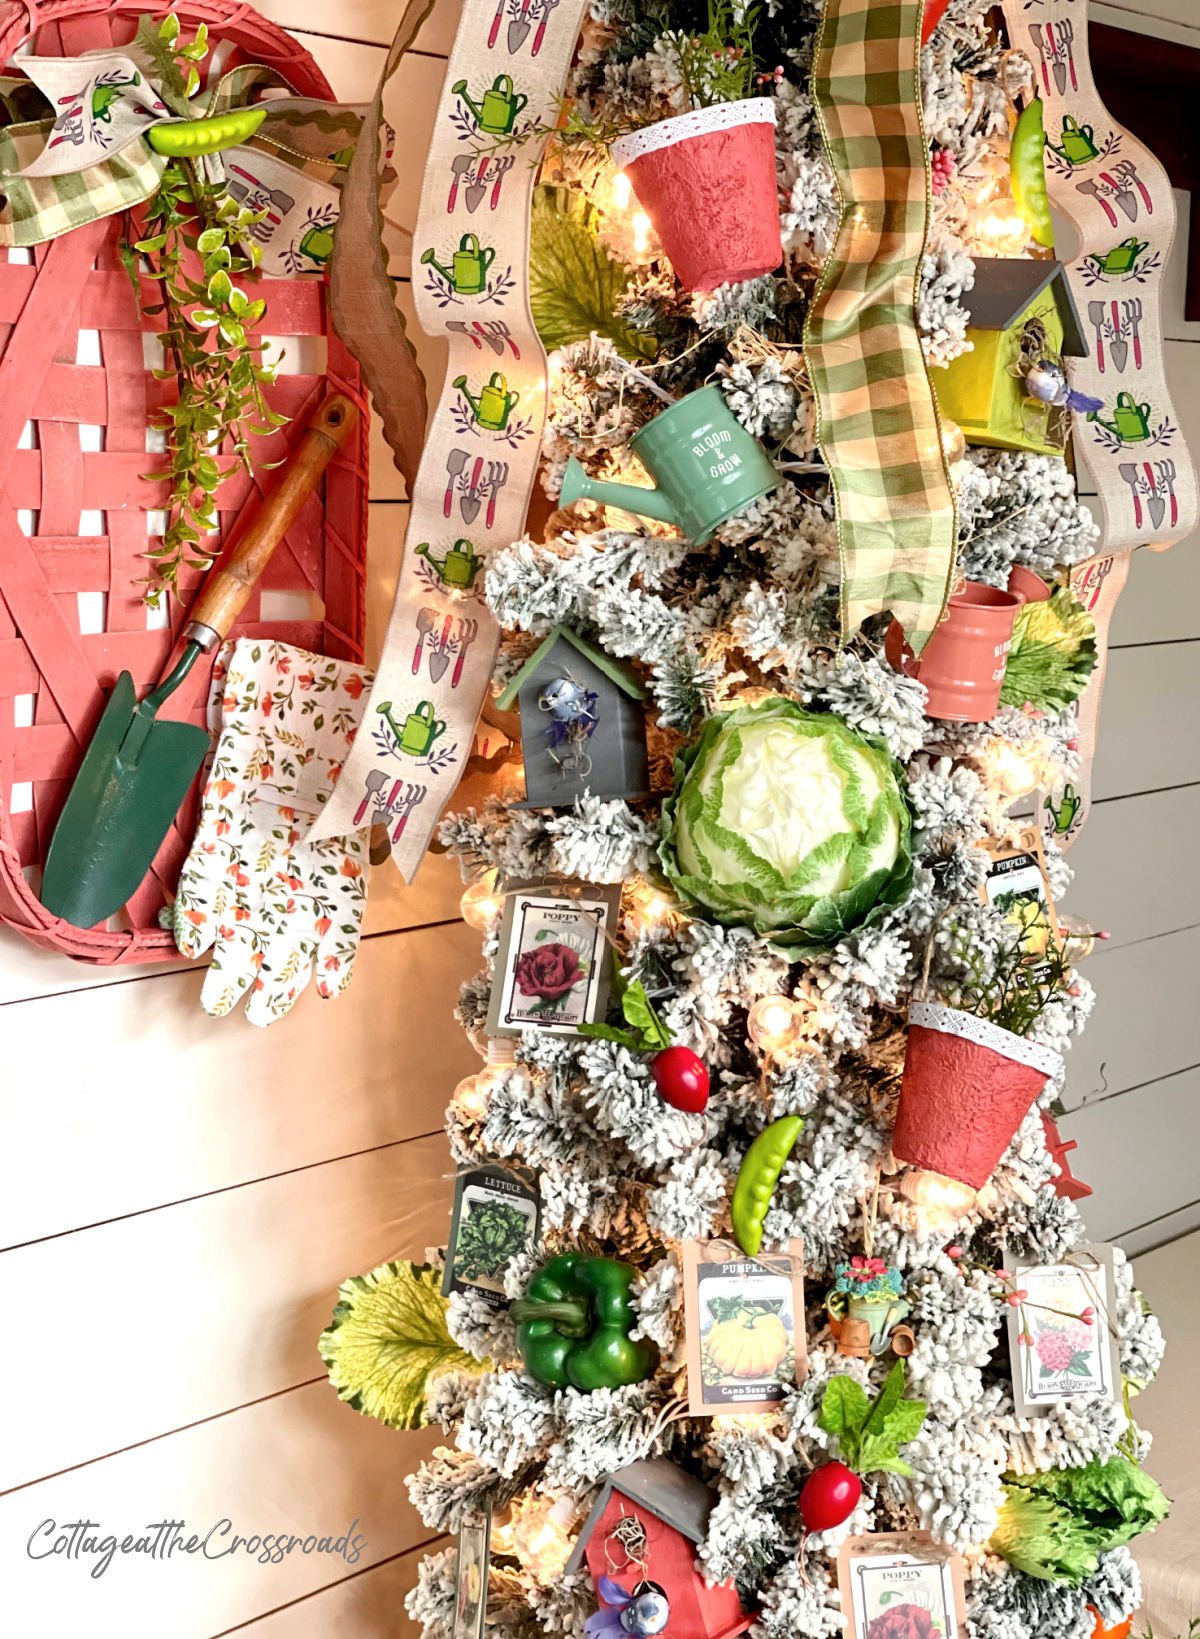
column 270, row 906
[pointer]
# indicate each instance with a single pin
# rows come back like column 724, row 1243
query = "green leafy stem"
column 195, row 245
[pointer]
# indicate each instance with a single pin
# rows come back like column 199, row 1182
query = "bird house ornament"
column 1011, row 390
column 639, row 1544
column 582, row 723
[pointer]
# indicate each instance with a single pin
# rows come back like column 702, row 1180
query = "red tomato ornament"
column 681, row 1078
column 829, row 1496
column 935, row 10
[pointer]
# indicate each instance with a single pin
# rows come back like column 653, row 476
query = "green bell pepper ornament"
column 573, row 1325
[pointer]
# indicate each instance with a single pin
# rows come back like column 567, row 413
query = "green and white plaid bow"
column 878, row 423
column 89, row 157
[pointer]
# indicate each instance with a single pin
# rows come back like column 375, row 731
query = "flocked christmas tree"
column 812, row 862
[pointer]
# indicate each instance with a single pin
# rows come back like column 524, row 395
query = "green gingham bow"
column 90, row 156
column 878, row 422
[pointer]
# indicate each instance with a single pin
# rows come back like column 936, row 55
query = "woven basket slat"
column 62, row 306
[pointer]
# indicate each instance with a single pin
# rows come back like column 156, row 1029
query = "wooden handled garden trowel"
column 137, row 770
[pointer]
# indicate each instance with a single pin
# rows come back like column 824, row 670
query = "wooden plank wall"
column 180, row 1196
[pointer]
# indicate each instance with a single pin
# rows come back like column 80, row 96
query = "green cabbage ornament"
column 788, row 822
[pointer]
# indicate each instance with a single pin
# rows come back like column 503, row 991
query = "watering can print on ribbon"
column 459, row 567
column 494, row 405
column 1077, row 146
column 418, row 731
column 497, row 113
column 468, row 270
column 1130, row 420
column 706, row 467
column 1121, row 258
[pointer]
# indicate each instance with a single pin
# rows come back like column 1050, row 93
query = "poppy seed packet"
column 552, row 967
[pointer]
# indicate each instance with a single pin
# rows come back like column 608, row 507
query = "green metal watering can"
column 460, row 565
column 1130, row 422
column 468, row 270
column 419, row 729
column 494, row 404
column 317, row 244
column 497, row 113
column 1077, row 147
column 706, row 465
column 1121, row 258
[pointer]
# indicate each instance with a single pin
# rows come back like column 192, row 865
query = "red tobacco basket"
column 55, row 667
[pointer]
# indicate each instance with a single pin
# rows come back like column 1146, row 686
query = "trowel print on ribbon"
column 1122, row 264
column 1120, row 187
column 415, row 734
column 465, row 273
column 1152, row 491
column 493, row 333
column 440, row 640
column 1054, row 43
column 1130, row 423
column 1118, row 333
column 488, row 410
column 494, row 111
column 474, row 481
column 387, row 800
column 476, row 177
column 87, row 118
column 525, row 17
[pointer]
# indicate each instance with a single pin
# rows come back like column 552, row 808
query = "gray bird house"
column 583, row 723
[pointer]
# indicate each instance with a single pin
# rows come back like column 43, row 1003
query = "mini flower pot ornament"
column 968, row 1084
column 963, row 663
column 705, row 464
column 706, row 179
column 869, row 1293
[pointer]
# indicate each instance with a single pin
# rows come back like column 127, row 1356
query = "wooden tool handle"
column 227, row 592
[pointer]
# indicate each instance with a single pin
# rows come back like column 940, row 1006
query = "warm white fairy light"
column 472, row 1096
column 622, row 191
column 480, row 904
column 641, row 233
column 954, row 442
column 540, row 1536
column 936, row 1191
column 776, row 1024
column 1015, row 771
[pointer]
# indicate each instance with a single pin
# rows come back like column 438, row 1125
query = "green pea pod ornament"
column 573, row 1325
column 191, row 139
column 757, row 1177
column 1027, row 167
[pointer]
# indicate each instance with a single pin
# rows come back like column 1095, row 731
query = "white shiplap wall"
column 180, row 1196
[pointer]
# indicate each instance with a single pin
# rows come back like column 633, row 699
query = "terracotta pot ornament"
column 964, row 661
column 706, row 179
column 968, row 1084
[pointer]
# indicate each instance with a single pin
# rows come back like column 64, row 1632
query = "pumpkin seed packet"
column 496, row 1217
column 1016, row 885
column 744, row 1321
column 473, row 1563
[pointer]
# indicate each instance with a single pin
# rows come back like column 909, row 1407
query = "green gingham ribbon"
column 877, row 415
column 290, row 170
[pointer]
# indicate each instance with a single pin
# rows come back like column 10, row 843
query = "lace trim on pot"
column 969, row 1027
column 723, row 116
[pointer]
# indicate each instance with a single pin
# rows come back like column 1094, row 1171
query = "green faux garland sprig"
column 197, row 243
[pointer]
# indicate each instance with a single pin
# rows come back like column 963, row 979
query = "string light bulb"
column 481, row 904
column 473, row 1094
column 641, row 233
column 954, row 441
column 776, row 1024
column 1081, row 939
column 622, row 191
column 540, row 1536
column 944, row 1198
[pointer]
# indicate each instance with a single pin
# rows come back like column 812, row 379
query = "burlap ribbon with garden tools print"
column 877, row 416
column 499, row 103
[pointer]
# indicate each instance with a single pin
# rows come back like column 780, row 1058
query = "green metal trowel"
column 138, row 770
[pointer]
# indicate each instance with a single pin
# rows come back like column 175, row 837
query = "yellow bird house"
column 1020, row 311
